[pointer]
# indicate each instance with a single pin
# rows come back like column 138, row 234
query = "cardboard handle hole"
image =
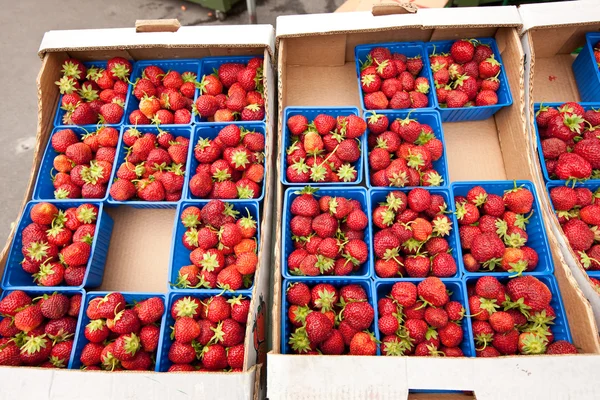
column 157, row 25
column 393, row 8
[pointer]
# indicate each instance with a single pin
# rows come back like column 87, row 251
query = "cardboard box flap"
column 547, row 15
column 259, row 36
column 315, row 24
column 504, row 16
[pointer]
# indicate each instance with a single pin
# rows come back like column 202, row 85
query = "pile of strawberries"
column 56, row 245
column 94, row 95
column 38, row 332
column 570, row 143
column 234, row 92
column 326, row 150
column 154, row 167
column 122, row 336
column 164, row 97
column 467, row 76
column 329, row 321
column 83, row 166
column 208, row 334
column 492, row 230
column 231, row 166
column 328, row 235
column 578, row 212
column 514, row 318
column 223, row 247
column 420, row 320
column 411, row 240
column 392, row 81
column 402, row 152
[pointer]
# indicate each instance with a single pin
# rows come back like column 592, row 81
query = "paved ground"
column 21, row 31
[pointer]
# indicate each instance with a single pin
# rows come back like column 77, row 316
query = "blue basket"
column 409, row 49
column 16, row 278
column 356, row 193
column 175, row 130
column 179, row 65
column 536, row 230
column 378, row 195
column 130, row 298
column 424, row 116
column 310, row 113
column 476, row 113
column 585, row 69
column 287, row 327
column 44, row 189
column 208, row 65
column 536, row 108
column 211, row 131
column 459, row 293
column 589, row 185
column 560, row 329
column 36, row 292
column 180, row 255
column 162, row 360
column 58, row 117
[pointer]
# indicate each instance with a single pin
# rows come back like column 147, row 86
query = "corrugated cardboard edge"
column 185, row 37
column 552, row 15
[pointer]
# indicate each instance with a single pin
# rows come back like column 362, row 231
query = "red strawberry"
column 433, row 291
column 462, row 51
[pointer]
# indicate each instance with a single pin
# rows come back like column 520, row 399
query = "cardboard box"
column 316, row 67
column 136, row 250
column 550, row 33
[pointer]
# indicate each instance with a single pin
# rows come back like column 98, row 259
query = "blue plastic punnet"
column 475, row 113
column 423, row 116
column 585, row 69
column 60, row 113
column 310, row 113
column 459, row 293
column 354, row 193
column 175, row 130
column 286, row 326
column 131, row 298
column 378, row 195
column 536, row 229
column 210, row 131
column 410, row 50
column 44, row 188
column 180, row 255
column 16, row 278
column 179, row 65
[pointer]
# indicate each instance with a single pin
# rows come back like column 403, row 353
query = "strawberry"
column 318, row 327
column 363, row 344
column 486, row 98
column 518, row 200
column 456, row 99
column 578, row 234
column 376, row 101
column 150, row 310
column 462, row 51
column 489, row 67
column 433, row 291
column 35, row 350
column 561, row 347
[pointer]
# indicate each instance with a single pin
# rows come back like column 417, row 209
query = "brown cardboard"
column 484, row 150
column 138, row 258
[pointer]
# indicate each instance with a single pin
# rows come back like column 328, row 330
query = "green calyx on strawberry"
column 132, row 343
column 434, row 179
column 392, row 254
column 33, row 344
column 209, row 261
column 191, row 236
column 492, row 263
column 532, row 343
column 88, row 93
column 586, row 260
column 37, row 251
column 66, row 85
column 300, row 166
column 441, row 226
column 541, row 319
column 397, row 348
column 346, row 172
column 415, row 160
column 318, row 172
column 92, row 174
column 93, row 73
column 399, row 179
column 244, row 192
column 59, row 219
column 388, row 216
column 325, row 300
column 514, row 240
column 299, row 341
column 573, row 122
column 120, row 71
column 518, row 305
column 325, row 264
column 367, row 80
column 461, row 210
column 71, row 69
column 412, row 245
column 482, row 340
column 517, row 268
